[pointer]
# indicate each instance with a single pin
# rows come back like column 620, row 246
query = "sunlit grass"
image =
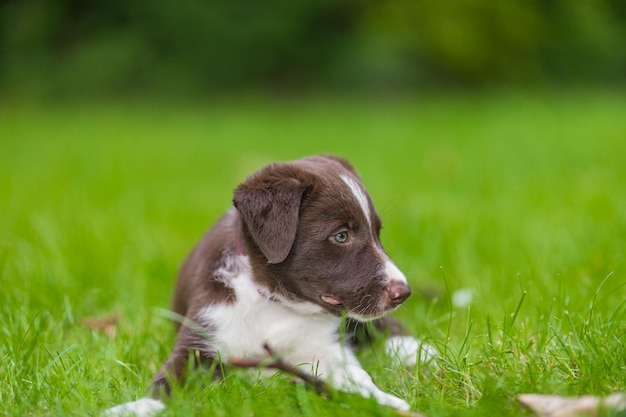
column 519, row 198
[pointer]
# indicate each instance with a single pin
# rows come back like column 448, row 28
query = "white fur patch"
column 409, row 351
column 298, row 329
column 350, row 377
column 144, row 407
column 359, row 194
column 393, row 273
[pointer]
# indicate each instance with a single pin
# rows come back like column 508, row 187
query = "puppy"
column 299, row 250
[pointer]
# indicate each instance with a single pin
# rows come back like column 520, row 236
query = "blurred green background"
column 75, row 48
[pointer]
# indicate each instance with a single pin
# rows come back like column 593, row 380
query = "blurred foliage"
column 72, row 47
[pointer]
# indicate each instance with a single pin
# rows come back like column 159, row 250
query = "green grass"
column 521, row 198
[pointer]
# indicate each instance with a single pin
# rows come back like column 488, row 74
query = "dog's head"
column 312, row 230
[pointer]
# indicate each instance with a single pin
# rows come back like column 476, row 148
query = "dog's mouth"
column 361, row 312
column 330, row 299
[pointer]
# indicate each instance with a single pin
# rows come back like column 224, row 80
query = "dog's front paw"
column 409, row 351
column 145, row 407
column 391, row 401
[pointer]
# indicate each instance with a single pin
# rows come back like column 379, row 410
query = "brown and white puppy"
column 299, row 249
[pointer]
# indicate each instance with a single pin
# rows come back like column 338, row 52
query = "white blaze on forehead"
column 359, row 195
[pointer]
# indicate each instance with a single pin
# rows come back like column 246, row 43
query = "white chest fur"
column 300, row 331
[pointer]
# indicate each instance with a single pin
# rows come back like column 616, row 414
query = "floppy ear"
column 269, row 205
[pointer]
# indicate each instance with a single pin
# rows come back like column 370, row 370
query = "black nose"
column 398, row 291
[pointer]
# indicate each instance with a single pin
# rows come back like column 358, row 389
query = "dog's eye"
column 341, row 237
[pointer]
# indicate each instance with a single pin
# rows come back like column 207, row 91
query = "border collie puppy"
column 299, row 250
